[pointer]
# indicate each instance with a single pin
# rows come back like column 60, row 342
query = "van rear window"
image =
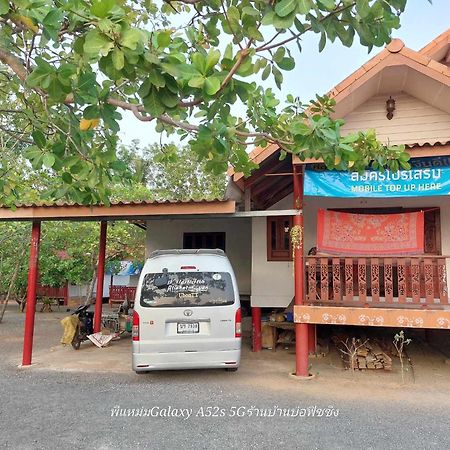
column 172, row 289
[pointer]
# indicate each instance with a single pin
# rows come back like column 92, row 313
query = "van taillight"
column 237, row 324
column 135, row 328
column 188, row 267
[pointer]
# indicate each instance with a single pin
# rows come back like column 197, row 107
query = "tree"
column 72, row 66
column 172, row 173
column 69, row 250
column 68, row 253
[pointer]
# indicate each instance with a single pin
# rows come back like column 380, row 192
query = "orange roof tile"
column 437, row 43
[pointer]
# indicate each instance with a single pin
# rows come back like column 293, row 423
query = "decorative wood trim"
column 374, row 317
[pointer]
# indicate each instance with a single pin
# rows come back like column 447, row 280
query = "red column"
column 31, row 294
column 256, row 329
column 312, row 338
column 100, row 277
column 301, row 329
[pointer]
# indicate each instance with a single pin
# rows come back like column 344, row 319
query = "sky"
column 318, row 72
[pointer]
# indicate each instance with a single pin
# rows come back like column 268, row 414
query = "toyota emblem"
column 188, row 312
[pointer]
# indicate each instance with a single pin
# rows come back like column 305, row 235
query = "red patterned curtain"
column 373, row 234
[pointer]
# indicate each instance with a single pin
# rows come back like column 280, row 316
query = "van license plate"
column 187, row 328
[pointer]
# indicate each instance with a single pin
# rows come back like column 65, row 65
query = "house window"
column 204, row 240
column 278, row 238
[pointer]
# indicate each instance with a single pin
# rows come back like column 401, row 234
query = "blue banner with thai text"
column 427, row 177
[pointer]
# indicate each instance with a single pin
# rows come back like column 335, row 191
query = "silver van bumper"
column 144, row 362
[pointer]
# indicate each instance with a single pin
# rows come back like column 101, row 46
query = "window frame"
column 278, row 253
column 204, row 236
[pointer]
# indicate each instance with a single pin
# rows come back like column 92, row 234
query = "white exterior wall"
column 168, row 234
column 272, row 281
column 414, row 121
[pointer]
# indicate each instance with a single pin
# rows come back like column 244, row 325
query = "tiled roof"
column 344, row 88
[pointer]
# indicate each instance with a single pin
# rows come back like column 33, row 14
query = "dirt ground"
column 427, row 381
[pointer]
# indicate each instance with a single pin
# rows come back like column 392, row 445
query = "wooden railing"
column 53, row 292
column 117, row 294
column 388, row 280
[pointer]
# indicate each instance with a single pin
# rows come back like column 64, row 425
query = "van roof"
column 201, row 251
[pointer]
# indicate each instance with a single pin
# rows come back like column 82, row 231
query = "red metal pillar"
column 31, row 294
column 256, row 329
column 312, row 338
column 301, row 329
column 100, row 277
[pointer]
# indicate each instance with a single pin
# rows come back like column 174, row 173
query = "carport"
column 134, row 212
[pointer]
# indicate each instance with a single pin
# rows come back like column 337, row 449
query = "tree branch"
column 14, row 63
column 295, row 36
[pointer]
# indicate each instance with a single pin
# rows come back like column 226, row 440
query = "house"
column 400, row 281
column 400, row 288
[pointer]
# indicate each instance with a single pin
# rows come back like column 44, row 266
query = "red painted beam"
column 301, row 329
column 31, row 294
column 256, row 329
column 100, row 277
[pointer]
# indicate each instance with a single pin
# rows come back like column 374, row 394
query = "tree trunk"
column 11, row 284
column 23, row 302
column 91, row 287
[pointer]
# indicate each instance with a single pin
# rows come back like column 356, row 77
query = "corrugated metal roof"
column 427, row 144
column 63, row 203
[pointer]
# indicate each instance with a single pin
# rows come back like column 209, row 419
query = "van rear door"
column 187, row 311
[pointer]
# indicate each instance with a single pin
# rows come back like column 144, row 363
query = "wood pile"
column 367, row 355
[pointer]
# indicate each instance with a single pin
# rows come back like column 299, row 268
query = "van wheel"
column 231, row 369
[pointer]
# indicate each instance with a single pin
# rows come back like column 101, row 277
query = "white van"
column 187, row 312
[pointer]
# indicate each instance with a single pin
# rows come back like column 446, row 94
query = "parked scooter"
column 85, row 326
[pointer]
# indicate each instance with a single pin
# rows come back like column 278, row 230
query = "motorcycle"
column 85, row 326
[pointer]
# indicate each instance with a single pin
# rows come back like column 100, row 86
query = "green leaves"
column 52, row 23
column 49, row 160
column 212, row 85
column 97, row 44
column 285, row 7
column 118, row 59
column 131, row 38
column 363, row 8
column 39, row 138
column 286, row 64
column 89, row 57
column 212, row 59
column 163, row 39
column 4, row 7
column 304, row 6
column 101, row 8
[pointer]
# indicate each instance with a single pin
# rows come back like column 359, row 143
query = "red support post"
column 301, row 329
column 256, row 329
column 100, row 277
column 312, row 338
column 31, row 294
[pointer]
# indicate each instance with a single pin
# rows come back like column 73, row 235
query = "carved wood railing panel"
column 391, row 280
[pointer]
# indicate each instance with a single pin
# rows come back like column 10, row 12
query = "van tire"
column 231, row 369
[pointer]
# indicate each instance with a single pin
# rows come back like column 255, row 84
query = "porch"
column 388, row 281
